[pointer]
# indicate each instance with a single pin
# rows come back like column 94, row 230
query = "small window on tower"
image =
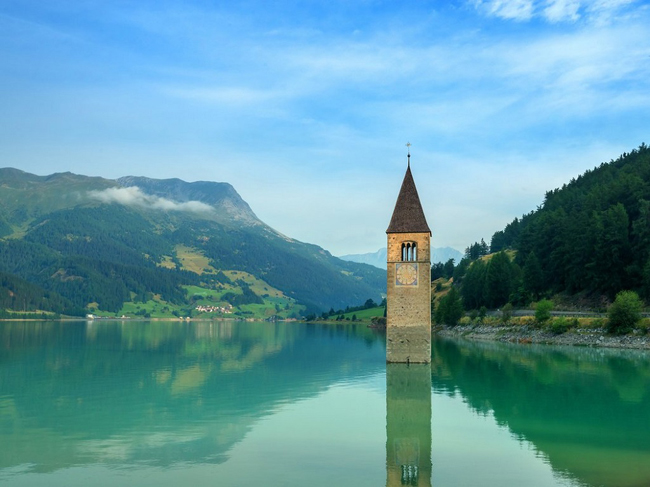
column 409, row 251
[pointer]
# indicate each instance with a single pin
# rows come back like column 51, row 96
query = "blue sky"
column 306, row 106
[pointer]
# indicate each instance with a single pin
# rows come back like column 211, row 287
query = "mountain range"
column 157, row 247
column 378, row 259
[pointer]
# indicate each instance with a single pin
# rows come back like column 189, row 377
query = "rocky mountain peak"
column 221, row 196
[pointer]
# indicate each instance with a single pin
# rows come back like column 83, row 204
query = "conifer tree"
column 533, row 275
column 498, row 281
column 450, row 308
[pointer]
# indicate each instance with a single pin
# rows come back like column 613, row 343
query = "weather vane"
column 408, row 149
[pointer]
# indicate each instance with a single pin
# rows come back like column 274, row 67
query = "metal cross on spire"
column 408, row 149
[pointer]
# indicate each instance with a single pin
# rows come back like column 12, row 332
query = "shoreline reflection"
column 585, row 411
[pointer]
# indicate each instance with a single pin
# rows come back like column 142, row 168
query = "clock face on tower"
column 406, row 274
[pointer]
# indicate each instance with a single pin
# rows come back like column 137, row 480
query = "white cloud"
column 133, row 196
column 595, row 11
column 607, row 5
column 604, row 11
column 506, row 9
column 561, row 10
column 591, row 59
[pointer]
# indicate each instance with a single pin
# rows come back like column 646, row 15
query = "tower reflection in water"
column 408, row 425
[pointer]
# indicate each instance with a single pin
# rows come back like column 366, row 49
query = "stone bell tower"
column 408, row 326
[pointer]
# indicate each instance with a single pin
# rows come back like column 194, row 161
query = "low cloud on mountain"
column 133, row 196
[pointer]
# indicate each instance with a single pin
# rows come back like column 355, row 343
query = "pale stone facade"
column 408, row 313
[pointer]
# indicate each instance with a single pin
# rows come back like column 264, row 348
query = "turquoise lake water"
column 241, row 404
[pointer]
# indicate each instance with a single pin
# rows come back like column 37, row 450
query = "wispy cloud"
column 506, row 9
column 561, row 10
column 133, row 196
column 596, row 11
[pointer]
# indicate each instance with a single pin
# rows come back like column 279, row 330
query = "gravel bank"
column 525, row 334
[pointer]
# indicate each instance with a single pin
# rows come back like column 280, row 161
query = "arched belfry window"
column 409, row 251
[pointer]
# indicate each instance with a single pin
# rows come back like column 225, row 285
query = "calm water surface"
column 239, row 404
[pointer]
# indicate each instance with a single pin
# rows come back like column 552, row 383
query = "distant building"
column 408, row 326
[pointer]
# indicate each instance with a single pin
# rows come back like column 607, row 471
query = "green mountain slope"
column 21, row 296
column 104, row 243
column 592, row 235
column 25, row 197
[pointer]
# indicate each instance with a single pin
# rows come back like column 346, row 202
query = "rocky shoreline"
column 528, row 335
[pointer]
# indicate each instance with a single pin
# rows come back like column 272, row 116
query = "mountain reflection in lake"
column 584, row 411
column 168, row 403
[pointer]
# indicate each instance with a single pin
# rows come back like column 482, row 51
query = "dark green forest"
column 587, row 241
column 22, row 296
column 82, row 280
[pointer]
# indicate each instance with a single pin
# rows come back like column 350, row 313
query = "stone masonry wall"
column 408, row 330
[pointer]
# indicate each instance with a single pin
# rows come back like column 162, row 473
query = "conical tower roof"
column 408, row 216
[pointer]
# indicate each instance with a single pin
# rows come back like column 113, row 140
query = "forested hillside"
column 21, row 296
column 110, row 246
column 592, row 237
